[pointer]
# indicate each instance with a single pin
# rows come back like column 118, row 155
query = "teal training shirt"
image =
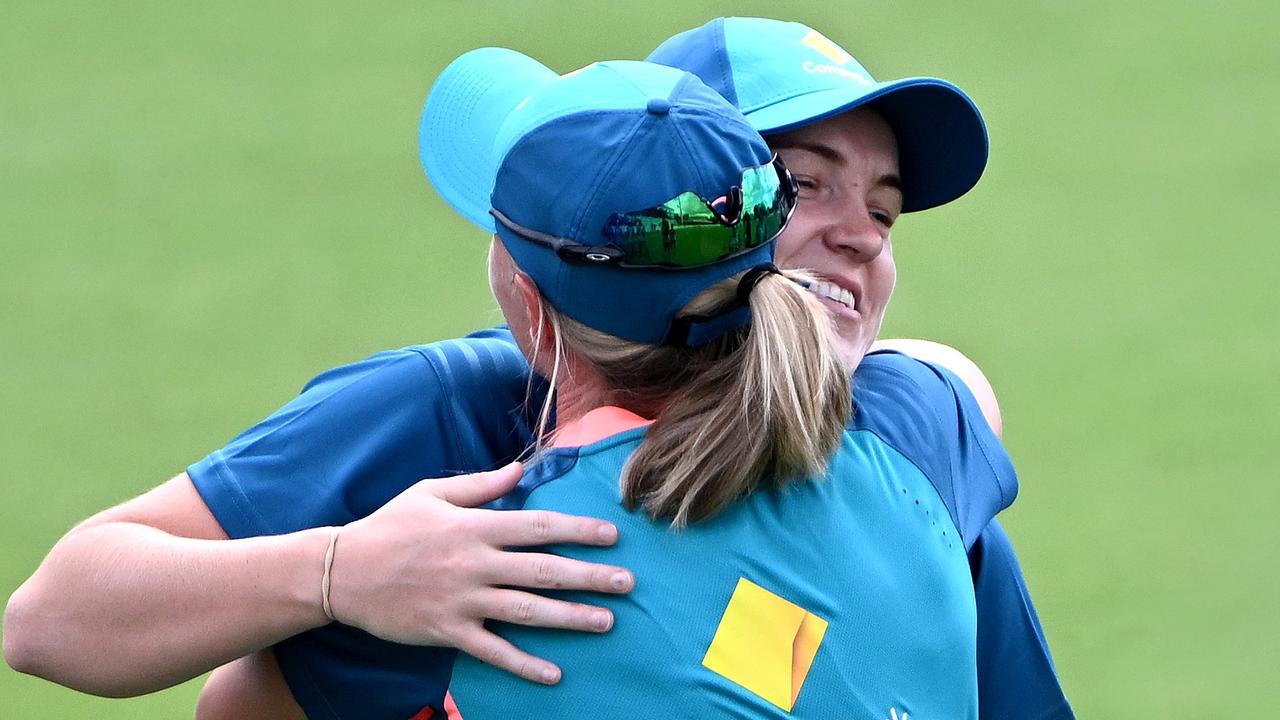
column 362, row 433
column 844, row 596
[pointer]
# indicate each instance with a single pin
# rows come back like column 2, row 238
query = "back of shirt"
column 847, row 596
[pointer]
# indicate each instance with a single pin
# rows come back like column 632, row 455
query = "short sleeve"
column 928, row 414
column 360, row 434
column 355, row 437
column 1016, row 675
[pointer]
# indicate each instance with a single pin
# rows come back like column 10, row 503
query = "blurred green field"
column 203, row 206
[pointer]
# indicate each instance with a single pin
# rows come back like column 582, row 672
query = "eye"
column 884, row 208
column 883, row 218
column 807, row 185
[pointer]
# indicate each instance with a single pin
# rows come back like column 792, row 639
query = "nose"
column 854, row 233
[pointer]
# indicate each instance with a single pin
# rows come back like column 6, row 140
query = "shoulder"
column 488, row 355
column 960, row 365
column 574, row 479
column 926, row 412
column 482, row 359
column 893, row 387
column 908, row 404
column 359, row 434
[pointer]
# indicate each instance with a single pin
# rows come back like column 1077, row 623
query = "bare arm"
column 955, row 361
column 254, row 683
column 251, row 688
column 151, row 593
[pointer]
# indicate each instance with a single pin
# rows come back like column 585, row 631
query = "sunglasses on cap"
column 688, row 230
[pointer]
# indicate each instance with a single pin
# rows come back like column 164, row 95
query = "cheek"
column 791, row 244
column 884, row 276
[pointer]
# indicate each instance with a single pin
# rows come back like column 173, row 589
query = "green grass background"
column 203, row 205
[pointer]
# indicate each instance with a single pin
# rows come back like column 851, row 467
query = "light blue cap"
column 561, row 154
column 785, row 75
column 455, row 142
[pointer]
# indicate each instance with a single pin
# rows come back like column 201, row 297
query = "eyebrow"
column 827, row 152
column 890, row 180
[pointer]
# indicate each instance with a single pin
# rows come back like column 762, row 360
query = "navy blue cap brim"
column 942, row 140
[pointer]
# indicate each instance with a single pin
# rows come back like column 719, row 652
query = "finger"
column 476, row 488
column 552, row 572
column 524, row 608
column 543, row 527
column 489, row 648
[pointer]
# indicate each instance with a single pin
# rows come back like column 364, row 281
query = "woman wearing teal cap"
column 766, row 604
column 806, row 242
column 792, row 560
column 849, row 139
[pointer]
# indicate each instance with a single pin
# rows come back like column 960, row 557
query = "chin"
column 853, row 345
column 851, row 353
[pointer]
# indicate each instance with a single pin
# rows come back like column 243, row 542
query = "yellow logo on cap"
column 765, row 644
column 819, row 42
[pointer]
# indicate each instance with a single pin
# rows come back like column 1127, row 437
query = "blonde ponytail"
column 759, row 407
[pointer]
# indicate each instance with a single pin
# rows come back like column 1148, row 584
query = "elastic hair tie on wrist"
column 328, row 574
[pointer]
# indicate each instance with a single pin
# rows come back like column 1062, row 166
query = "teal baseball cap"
column 623, row 189
column 786, row 75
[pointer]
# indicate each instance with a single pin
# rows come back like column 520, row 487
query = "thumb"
column 477, row 488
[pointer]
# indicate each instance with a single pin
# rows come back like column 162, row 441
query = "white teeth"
column 831, row 291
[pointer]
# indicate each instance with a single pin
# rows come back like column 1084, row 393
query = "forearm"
column 120, row 608
column 151, row 593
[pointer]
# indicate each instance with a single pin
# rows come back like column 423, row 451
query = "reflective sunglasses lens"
column 686, row 232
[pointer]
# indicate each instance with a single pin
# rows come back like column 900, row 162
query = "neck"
column 578, row 392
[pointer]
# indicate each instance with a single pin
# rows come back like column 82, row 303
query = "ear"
column 540, row 327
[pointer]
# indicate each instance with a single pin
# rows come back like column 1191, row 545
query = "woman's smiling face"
column 850, row 196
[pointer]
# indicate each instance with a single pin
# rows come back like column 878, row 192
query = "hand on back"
column 430, row 566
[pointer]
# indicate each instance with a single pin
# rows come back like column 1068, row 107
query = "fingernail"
column 607, row 533
column 602, row 620
column 550, row 676
column 620, row 580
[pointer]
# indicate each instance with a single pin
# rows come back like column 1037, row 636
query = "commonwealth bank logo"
column 836, row 54
column 765, row 644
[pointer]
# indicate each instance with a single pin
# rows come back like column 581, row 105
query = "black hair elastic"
column 751, row 278
column 694, row 330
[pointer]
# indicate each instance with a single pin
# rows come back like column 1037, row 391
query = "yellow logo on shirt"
column 765, row 644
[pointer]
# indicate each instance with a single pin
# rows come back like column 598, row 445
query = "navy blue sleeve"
column 1016, row 676
column 360, row 434
column 356, row 437
column 928, row 414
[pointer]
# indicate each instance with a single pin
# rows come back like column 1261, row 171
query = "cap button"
column 658, row 106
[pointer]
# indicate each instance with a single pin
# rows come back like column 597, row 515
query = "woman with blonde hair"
column 795, row 554
column 767, row 602
column 701, row 404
